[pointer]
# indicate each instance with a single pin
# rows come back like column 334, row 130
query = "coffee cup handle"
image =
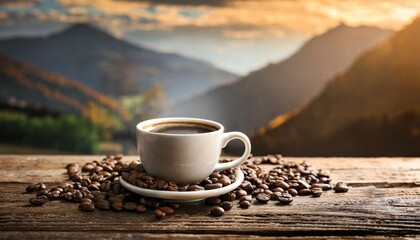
column 227, row 137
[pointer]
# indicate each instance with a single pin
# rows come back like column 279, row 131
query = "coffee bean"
column 282, row 184
column 257, row 191
column 106, row 186
column 33, row 187
column 141, row 208
column 99, row 197
column 277, row 189
column 316, row 192
column 275, row 195
column 85, row 200
column 41, row 193
column 263, row 197
column 213, row 186
column 117, row 206
column 195, row 187
column 305, row 192
column 87, row 207
column 247, row 186
column 166, row 209
column 240, row 193
column 292, row 191
column 172, row 188
column 226, row 205
column 228, row 197
column 323, row 186
column 39, row 201
column 285, row 198
column 73, row 169
column 162, row 184
column 159, row 214
column 213, row 201
column 341, row 187
column 303, row 184
column 217, row 211
column 245, row 198
column 88, row 167
column 215, row 175
column 103, row 205
column 224, row 180
column 107, row 168
column 245, row 204
column 205, row 182
column 130, row 206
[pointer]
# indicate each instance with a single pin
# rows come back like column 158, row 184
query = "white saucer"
column 185, row 196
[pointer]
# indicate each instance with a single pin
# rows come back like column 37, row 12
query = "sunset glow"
column 235, row 23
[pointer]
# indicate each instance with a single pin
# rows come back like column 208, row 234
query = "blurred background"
column 301, row 78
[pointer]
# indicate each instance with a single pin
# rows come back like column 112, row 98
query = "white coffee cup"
column 185, row 158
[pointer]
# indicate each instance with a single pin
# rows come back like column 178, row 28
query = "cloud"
column 234, row 18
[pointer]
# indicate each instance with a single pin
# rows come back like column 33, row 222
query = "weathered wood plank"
column 357, row 171
column 384, row 199
column 80, row 235
column 361, row 211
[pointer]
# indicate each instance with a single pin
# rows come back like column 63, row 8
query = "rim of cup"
column 147, row 125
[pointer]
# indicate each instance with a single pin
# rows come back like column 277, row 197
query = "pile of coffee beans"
column 135, row 174
column 96, row 185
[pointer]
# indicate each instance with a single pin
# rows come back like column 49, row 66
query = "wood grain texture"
column 384, row 200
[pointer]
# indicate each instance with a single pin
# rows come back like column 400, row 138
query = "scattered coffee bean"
column 87, row 207
column 103, row 205
column 35, row 187
column 305, row 192
column 245, row 204
column 341, row 187
column 217, row 211
column 275, row 195
column 316, row 192
column 159, row 214
column 141, row 208
column 292, row 191
column 263, row 197
column 195, row 187
column 86, row 200
column 213, row 201
column 226, row 205
column 130, row 206
column 285, row 198
column 39, row 201
column 117, row 206
column 245, row 198
column 167, row 210
column 228, row 197
column 42, row 193
column 213, row 186
column 240, row 193
column 323, row 186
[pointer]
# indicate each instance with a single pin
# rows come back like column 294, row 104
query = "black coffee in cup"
column 182, row 128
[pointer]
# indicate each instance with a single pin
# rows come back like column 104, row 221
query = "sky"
column 236, row 35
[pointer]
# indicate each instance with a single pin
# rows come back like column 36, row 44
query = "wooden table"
column 384, row 201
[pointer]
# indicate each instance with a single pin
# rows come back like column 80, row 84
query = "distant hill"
column 373, row 109
column 113, row 66
column 278, row 88
column 25, row 86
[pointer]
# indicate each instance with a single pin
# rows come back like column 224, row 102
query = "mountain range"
column 27, row 87
column 372, row 109
column 257, row 98
column 113, row 66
